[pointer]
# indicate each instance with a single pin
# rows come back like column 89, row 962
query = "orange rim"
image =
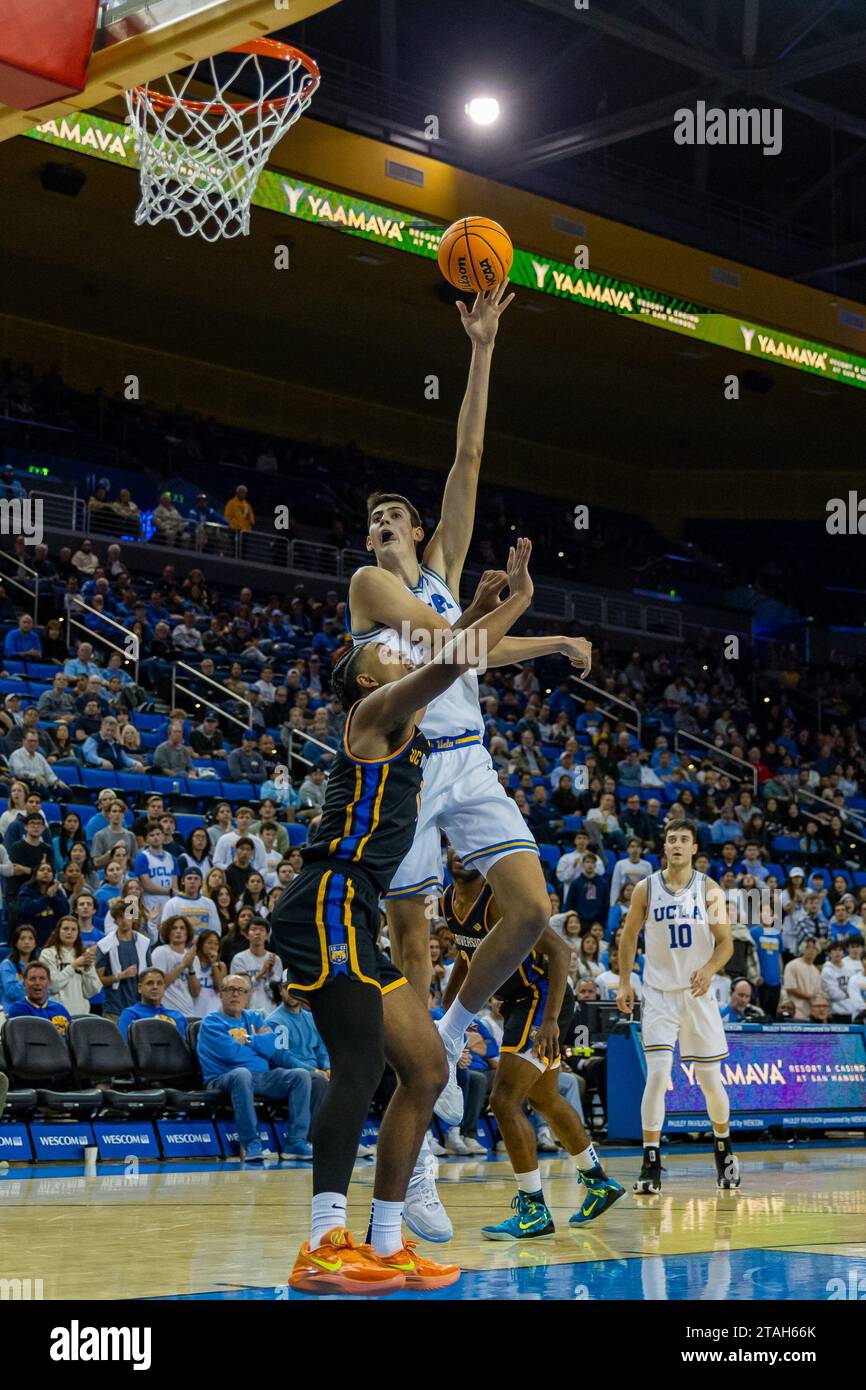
column 266, row 48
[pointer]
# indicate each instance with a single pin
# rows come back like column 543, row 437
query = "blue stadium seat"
column 150, row 721
column 98, row 777
column 572, row 824
column 550, row 855
column 825, row 874
column 134, row 782
column 187, row 824
column 859, row 878
column 785, row 844
column 778, row 871
column 297, row 834
column 70, row 773
column 84, row 810
column 51, row 811
column 237, row 791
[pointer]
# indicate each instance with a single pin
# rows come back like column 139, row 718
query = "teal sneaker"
column 531, row 1219
column 601, row 1193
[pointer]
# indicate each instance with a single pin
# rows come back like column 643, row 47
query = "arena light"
column 483, row 110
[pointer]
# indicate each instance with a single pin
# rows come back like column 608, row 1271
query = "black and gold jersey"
column 371, row 809
column 470, row 930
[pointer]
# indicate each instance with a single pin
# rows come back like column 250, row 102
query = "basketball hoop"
column 201, row 159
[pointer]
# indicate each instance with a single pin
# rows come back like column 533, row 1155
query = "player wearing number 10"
column 688, row 939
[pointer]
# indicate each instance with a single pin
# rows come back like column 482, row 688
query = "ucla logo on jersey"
column 440, row 602
column 338, row 955
column 674, row 912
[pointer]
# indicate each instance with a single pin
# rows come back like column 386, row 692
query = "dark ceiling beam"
column 802, row 28
column 827, row 57
column 646, row 40
column 846, row 258
column 820, row 112
column 751, row 25
column 605, row 130
column 767, row 82
column 685, row 30
column 825, row 181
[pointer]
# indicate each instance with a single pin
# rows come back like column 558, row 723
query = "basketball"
column 475, row 253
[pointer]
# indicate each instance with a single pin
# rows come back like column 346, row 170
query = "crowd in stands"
column 148, row 833
column 328, row 484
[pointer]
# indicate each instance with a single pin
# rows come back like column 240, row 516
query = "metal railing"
column 637, row 723
column 719, row 753
column 270, row 550
column 61, row 510
column 798, row 792
column 32, row 593
column 288, row 744
column 203, row 700
column 130, row 651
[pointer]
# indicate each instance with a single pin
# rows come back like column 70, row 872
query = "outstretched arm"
column 447, row 547
column 512, row 650
column 392, row 706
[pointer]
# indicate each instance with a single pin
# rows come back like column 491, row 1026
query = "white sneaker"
column 366, row 1150
column 433, row 1145
column 423, row 1212
column 545, row 1141
column 474, row 1146
column 449, row 1106
column 501, row 1147
column 455, row 1143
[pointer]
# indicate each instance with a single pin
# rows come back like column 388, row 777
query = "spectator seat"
column 162, row 1057
column 36, row 1053
column 100, row 1056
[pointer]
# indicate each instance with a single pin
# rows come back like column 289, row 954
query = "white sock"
column 529, row 1182
column 453, row 1025
column 386, row 1227
column 329, row 1210
column 726, row 1135
column 587, row 1159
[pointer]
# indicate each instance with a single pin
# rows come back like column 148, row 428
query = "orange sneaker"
column 418, row 1272
column 338, row 1265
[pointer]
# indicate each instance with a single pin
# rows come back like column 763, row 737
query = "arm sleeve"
column 89, row 753
column 831, row 986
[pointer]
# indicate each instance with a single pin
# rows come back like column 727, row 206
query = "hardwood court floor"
column 222, row 1231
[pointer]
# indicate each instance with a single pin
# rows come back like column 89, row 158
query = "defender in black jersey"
column 538, row 1007
column 325, row 927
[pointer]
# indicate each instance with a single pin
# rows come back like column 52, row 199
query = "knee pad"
column 658, row 1074
column 709, row 1078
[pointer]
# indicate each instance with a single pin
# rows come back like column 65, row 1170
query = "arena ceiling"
column 371, row 324
column 588, row 96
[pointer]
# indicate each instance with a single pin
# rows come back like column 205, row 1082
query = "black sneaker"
column 649, row 1183
column 727, row 1166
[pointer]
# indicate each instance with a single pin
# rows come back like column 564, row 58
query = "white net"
column 201, row 156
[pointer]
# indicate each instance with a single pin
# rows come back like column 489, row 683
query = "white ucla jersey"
column 677, row 935
column 457, row 710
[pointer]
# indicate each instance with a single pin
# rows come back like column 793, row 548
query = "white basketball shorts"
column 461, row 797
column 675, row 1015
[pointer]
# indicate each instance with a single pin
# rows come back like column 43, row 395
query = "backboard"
column 138, row 40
